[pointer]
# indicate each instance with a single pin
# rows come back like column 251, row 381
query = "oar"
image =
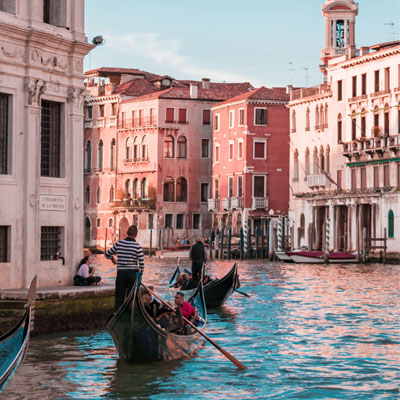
column 242, row 293
column 224, row 352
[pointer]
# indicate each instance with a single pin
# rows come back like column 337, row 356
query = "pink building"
column 148, row 142
column 250, row 171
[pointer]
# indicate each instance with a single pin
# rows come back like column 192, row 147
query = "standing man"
column 130, row 264
column 198, row 256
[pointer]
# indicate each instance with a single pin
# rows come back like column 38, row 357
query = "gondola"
column 217, row 291
column 14, row 343
column 139, row 339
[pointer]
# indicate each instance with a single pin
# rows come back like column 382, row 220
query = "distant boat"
column 217, row 291
column 317, row 257
column 282, row 256
column 14, row 343
column 138, row 338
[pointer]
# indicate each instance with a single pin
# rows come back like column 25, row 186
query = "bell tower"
column 340, row 17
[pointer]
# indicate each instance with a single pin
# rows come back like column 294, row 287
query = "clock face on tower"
column 340, row 34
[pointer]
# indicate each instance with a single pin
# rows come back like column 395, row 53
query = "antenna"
column 291, row 69
column 306, row 69
column 392, row 24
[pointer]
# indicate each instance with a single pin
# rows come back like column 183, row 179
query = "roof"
column 104, row 71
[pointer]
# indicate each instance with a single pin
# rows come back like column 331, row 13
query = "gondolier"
column 130, row 264
column 198, row 256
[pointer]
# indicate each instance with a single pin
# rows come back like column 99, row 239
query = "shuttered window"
column 391, row 224
column 182, row 116
column 169, row 115
column 206, row 117
column 259, row 149
column 4, row 139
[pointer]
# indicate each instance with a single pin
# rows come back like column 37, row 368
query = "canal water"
column 306, row 332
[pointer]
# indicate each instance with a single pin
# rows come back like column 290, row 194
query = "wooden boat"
column 14, row 343
column 317, row 257
column 217, row 291
column 138, row 338
column 282, row 256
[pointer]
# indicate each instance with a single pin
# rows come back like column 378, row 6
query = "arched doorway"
column 123, row 228
column 87, row 231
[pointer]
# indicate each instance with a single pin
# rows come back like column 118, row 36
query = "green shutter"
column 391, row 224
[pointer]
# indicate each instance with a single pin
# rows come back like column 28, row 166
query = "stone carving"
column 49, row 60
column 77, row 203
column 76, row 97
column 32, row 200
column 35, row 89
column 11, row 50
column 78, row 66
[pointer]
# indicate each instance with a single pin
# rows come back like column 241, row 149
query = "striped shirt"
column 129, row 253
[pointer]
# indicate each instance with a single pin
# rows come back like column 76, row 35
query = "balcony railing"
column 88, row 124
column 226, row 203
column 100, row 122
column 317, row 180
column 236, row 203
column 138, row 123
column 310, row 92
column 138, row 203
column 260, row 203
column 213, row 204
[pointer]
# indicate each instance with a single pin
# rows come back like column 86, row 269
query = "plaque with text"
column 52, row 202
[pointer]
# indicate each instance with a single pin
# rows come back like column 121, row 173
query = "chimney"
column 206, row 83
column 289, row 88
column 193, row 90
column 364, row 50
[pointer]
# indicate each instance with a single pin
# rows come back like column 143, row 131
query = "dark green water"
column 307, row 332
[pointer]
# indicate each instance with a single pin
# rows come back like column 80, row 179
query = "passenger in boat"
column 179, row 281
column 188, row 311
column 152, row 305
column 85, row 274
column 207, row 279
column 186, row 281
column 130, row 264
column 198, row 256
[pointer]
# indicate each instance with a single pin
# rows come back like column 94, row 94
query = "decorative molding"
column 49, row 60
column 12, row 51
column 76, row 97
column 35, row 88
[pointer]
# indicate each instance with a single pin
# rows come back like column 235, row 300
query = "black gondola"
column 217, row 291
column 138, row 338
column 14, row 343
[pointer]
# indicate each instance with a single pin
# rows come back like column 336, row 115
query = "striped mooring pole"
column 280, row 222
column 327, row 234
column 246, row 236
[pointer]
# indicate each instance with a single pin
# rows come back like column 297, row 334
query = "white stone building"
column 42, row 45
column 345, row 142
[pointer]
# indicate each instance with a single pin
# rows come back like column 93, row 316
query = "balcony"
column 299, row 94
column 137, row 123
column 317, row 180
column 226, row 204
column 88, row 124
column 381, row 93
column 112, row 121
column 100, row 122
column 134, row 204
column 236, row 203
column 260, row 203
column 213, row 204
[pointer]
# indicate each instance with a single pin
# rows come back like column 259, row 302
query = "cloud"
column 167, row 52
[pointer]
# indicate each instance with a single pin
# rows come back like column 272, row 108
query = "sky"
column 264, row 42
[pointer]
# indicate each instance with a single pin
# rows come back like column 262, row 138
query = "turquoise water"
column 307, row 332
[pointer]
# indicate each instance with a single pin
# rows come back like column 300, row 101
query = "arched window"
column 112, row 155
column 386, row 120
column 296, row 165
column 100, row 155
column 128, row 188
column 145, row 147
column 391, row 224
column 88, row 156
column 110, row 222
column 315, row 162
column 316, row 117
column 321, row 117
column 307, row 119
column 98, row 222
column 169, row 151
column 363, row 123
column 181, row 189
column 327, row 159
column 143, row 189
column 326, row 116
column 135, row 189
column 293, row 120
column 136, row 149
column 321, row 159
column 376, row 129
column 168, row 187
column 339, row 128
column 87, row 195
column 111, row 199
column 302, row 225
column 353, row 125
column 88, row 228
column 307, row 162
column 98, row 195
column 181, row 147
column 128, row 148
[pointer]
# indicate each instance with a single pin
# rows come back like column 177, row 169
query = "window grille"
column 50, row 242
column 3, row 133
column 50, row 139
column 4, row 244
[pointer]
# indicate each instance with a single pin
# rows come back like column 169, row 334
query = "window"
column 364, row 84
column 216, row 188
column 89, row 112
column 353, row 128
column 363, row 125
column 135, row 219
column 150, row 221
column 316, row 117
column 398, row 174
column 216, row 122
column 4, row 243
column 196, row 221
column 376, row 76
column 204, row 192
column 133, row 119
column 123, row 117
column 231, row 118
column 110, row 222
column 87, row 230
column 4, row 134
column 339, row 90
column 169, row 189
column 259, row 186
column 217, row 152
column 327, row 159
column 98, row 222
column 205, row 148
column 168, row 220
column 87, row 195
column 144, row 189
column 181, row 147
column 136, row 148
column 101, row 110
column 181, row 189
column 7, row 6
column 114, row 109
column 363, row 178
column 321, row 159
column 240, row 149
column 50, row 139
column 134, row 189
column 240, row 186
column 152, row 116
column 315, row 162
column 386, row 120
column 259, row 149
column 241, row 117
column 50, row 242
column 100, row 155
column 307, row 163
column 182, row 116
column 54, row 12
column 302, row 226
column 387, row 79
column 376, row 177
column 293, row 121
column 260, row 116
column 353, row 179
column 296, row 165
column 230, row 155
column 145, row 147
column 386, row 177
column 169, row 115
column 230, row 186
column 339, row 179
column 179, row 221
column 354, row 86
column 391, row 224
column 129, row 149
column 169, row 147
column 206, row 117
column 112, row 194
column 112, row 154
column 339, row 129
column 98, row 195
column 307, row 119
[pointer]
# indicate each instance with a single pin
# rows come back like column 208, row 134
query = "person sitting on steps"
column 85, row 274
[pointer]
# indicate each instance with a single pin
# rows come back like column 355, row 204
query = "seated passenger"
column 186, row 281
column 179, row 281
column 152, row 305
column 187, row 310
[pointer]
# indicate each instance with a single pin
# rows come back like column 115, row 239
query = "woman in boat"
column 85, row 274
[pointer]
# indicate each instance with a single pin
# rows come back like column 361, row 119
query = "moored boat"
column 138, row 338
column 317, row 257
column 216, row 291
column 14, row 343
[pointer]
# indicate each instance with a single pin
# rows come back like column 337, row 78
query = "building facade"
column 148, row 155
column 41, row 131
column 345, row 165
column 250, row 170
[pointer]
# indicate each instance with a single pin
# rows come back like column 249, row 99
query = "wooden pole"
column 151, row 242
column 241, row 247
column 262, row 238
column 229, row 243
column 105, row 241
column 364, row 245
column 221, row 255
column 385, row 247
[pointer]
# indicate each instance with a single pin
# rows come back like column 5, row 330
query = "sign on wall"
column 52, row 203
